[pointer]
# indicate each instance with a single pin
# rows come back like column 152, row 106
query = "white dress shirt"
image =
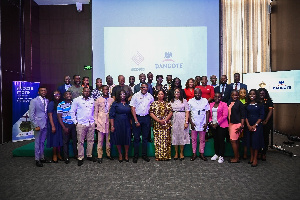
column 82, row 111
column 44, row 101
column 141, row 102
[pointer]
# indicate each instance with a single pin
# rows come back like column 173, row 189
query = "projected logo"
column 282, row 86
column 138, row 58
column 168, row 56
column 168, row 62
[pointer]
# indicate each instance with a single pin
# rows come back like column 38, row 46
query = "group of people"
column 120, row 112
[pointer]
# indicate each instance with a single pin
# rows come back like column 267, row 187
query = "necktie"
column 223, row 88
column 236, row 86
column 44, row 104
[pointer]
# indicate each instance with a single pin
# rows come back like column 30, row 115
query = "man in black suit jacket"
column 142, row 78
column 237, row 85
column 63, row 88
column 224, row 89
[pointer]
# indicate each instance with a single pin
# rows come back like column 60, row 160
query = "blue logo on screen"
column 282, row 86
column 168, row 62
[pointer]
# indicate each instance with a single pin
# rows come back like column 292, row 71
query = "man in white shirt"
column 82, row 114
column 199, row 116
column 140, row 105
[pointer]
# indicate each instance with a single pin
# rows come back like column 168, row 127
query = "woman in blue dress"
column 54, row 133
column 254, row 116
column 120, row 115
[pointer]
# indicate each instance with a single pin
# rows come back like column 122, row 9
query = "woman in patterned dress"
column 161, row 113
column 180, row 122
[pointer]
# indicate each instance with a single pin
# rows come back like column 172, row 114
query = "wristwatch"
column 136, row 122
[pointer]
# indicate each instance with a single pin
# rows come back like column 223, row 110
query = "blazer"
column 37, row 113
column 137, row 88
column 242, row 85
column 222, row 114
column 227, row 92
column 62, row 90
column 237, row 112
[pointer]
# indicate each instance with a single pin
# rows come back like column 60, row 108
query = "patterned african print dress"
column 162, row 133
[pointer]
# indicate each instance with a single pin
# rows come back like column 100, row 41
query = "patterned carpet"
column 276, row 178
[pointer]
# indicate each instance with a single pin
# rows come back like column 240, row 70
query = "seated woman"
column 120, row 115
column 180, row 122
column 161, row 113
column 254, row 116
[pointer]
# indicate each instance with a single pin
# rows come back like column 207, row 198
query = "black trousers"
column 266, row 131
column 144, row 128
column 219, row 137
column 72, row 134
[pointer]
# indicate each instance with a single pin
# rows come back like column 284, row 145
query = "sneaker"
column 215, row 157
column 221, row 159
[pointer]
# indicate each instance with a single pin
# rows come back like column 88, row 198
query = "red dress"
column 189, row 94
column 207, row 91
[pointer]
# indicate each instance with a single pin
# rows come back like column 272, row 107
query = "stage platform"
column 28, row 150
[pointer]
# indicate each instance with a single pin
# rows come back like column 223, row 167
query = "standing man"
column 96, row 93
column 169, row 82
column 140, row 105
column 110, row 84
column 63, row 88
column 237, row 85
column 224, row 89
column 76, row 89
column 68, row 126
column 38, row 117
column 120, row 87
column 82, row 115
column 150, row 79
column 131, row 83
column 142, row 78
column 213, row 80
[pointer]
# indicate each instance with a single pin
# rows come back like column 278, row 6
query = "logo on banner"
column 138, row 59
column 282, row 86
column 168, row 62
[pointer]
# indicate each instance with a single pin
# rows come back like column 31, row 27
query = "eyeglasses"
column 176, row 92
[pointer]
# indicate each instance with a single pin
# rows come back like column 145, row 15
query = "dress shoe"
column 67, row 160
column 55, row 161
column 146, row 158
column 202, row 157
column 135, row 159
column 250, row 162
column 194, row 157
column 99, row 160
column 120, row 160
column 181, row 159
column 126, row 160
column 45, row 161
column 80, row 162
column 91, row 159
column 38, row 163
column 109, row 158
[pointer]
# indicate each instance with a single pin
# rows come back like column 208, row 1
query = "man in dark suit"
column 137, row 87
column 237, row 85
column 38, row 118
column 63, row 88
column 224, row 89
